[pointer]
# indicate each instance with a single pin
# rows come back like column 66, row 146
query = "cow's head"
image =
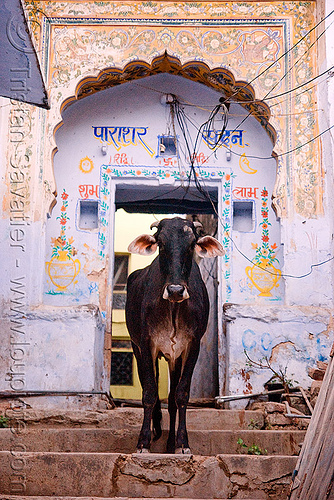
column 177, row 240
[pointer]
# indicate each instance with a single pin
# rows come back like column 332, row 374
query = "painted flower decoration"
column 61, row 244
column 265, row 253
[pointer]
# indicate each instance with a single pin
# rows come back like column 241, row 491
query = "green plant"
column 254, row 449
column 279, row 374
column 3, row 422
column 253, row 424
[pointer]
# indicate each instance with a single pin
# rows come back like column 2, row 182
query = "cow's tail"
column 157, row 414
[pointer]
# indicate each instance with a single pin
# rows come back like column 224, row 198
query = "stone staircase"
column 88, row 455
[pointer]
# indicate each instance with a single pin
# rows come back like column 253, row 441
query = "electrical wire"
column 266, row 97
column 297, row 88
column 309, row 47
column 191, row 147
column 284, row 54
column 182, row 121
column 286, row 152
column 285, row 275
column 204, row 190
column 214, row 148
column 299, row 94
column 218, row 144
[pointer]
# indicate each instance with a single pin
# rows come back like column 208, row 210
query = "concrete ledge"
column 146, row 475
column 14, row 497
column 121, row 418
column 202, row 442
column 282, row 314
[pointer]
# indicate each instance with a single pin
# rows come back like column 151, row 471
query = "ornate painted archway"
column 219, row 79
column 243, row 49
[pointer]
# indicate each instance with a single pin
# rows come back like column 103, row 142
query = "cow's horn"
column 154, row 224
column 197, row 224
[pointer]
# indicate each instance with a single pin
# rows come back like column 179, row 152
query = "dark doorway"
column 186, row 201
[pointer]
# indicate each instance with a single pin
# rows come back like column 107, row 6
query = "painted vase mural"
column 263, row 274
column 62, row 268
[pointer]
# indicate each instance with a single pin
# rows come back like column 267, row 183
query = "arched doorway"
column 112, row 149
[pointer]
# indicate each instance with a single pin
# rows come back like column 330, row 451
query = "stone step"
column 202, row 442
column 15, row 497
column 111, row 475
column 120, row 418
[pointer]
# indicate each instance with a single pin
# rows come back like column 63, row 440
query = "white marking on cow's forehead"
column 187, row 229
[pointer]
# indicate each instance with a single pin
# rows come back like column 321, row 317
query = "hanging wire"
column 222, row 107
column 218, row 144
column 201, row 186
column 284, row 54
column 312, row 266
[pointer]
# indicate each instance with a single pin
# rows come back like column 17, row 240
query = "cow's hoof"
column 184, row 451
column 142, row 450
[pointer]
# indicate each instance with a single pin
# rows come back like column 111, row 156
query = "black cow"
column 167, row 312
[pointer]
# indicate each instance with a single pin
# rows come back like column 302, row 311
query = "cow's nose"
column 174, row 290
column 176, row 293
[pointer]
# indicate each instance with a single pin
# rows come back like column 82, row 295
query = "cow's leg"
column 157, row 415
column 182, row 397
column 172, row 408
column 150, row 394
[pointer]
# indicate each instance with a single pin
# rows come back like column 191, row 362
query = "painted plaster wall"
column 42, row 348
column 303, row 179
column 76, row 142
column 250, row 38
column 291, row 338
column 56, row 352
column 132, row 163
column 326, row 113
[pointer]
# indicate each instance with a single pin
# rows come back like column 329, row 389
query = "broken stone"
column 154, row 468
column 315, row 387
column 272, row 407
column 257, row 405
column 314, row 391
column 322, row 365
column 277, row 419
column 316, row 374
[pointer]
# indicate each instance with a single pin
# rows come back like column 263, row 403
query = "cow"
column 167, row 310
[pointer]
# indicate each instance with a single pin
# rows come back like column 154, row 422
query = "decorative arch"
column 219, row 79
column 252, row 39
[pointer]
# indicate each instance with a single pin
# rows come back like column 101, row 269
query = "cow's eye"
column 161, row 242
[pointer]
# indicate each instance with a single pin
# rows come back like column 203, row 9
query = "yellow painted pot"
column 62, row 270
column 264, row 277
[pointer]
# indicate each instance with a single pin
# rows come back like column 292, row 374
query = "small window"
column 121, row 272
column 243, row 216
column 88, row 214
column 121, row 368
column 167, row 145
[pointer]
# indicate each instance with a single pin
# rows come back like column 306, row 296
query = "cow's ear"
column 209, row 247
column 145, row 244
